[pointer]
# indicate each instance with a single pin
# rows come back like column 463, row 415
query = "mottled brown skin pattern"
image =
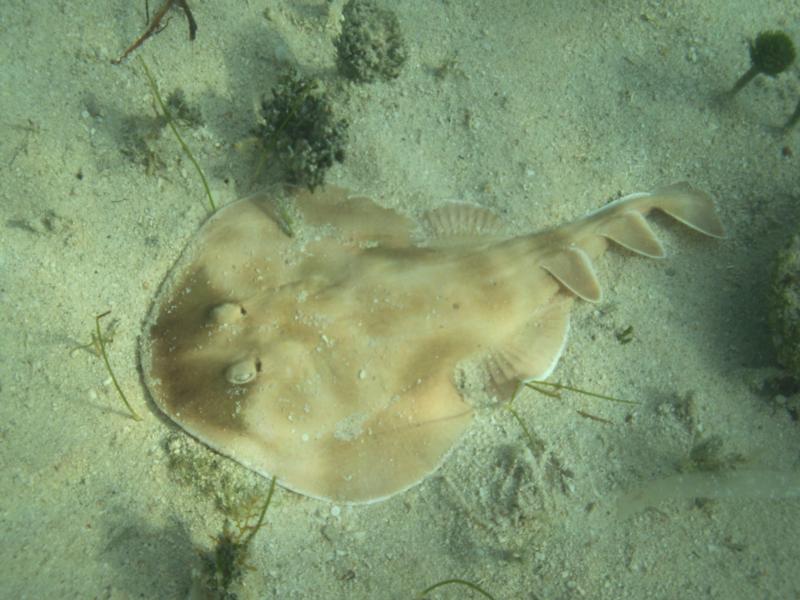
column 327, row 359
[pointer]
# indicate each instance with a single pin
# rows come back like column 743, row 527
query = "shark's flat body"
column 327, row 358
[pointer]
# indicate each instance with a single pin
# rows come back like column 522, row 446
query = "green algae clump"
column 299, row 127
column 771, row 53
column 371, row 46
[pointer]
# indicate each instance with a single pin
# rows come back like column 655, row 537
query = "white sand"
column 547, row 113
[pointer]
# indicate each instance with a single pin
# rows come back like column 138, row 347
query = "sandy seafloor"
column 549, row 110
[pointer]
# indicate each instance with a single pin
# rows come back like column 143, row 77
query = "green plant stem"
column 560, row 386
column 102, row 349
column 470, row 585
column 171, row 123
column 521, row 423
column 263, row 513
column 744, row 80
